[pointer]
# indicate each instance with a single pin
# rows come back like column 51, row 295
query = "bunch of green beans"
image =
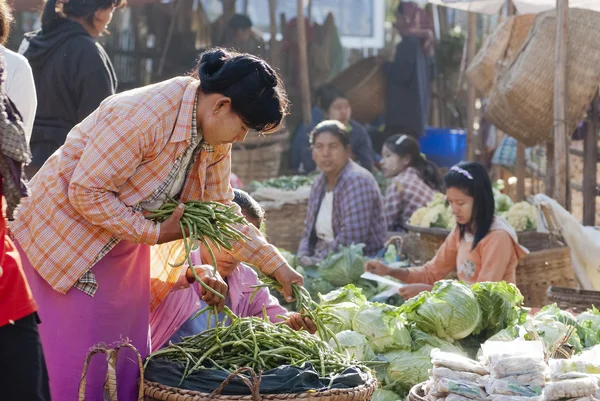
column 203, row 222
column 307, row 308
column 254, row 343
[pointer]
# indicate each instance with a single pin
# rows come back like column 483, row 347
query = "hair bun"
column 212, row 65
column 267, row 74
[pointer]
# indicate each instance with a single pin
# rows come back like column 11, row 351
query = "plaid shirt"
column 406, row 193
column 357, row 214
column 87, row 196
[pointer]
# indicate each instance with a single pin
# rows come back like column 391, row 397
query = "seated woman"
column 345, row 205
column 173, row 318
column 331, row 104
column 415, row 180
column 481, row 247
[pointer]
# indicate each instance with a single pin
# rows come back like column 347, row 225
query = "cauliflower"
column 435, row 217
column 523, row 217
column 438, row 199
column 417, row 216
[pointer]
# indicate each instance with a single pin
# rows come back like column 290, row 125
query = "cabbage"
column 588, row 328
column 290, row 258
column 391, row 254
column 348, row 293
column 503, row 202
column 316, row 286
column 500, row 305
column 450, row 311
column 382, row 326
column 355, row 345
column 421, row 339
column 384, row 395
column 343, row 267
column 552, row 333
column 553, row 312
column 345, row 311
column 506, row 335
column 407, row 368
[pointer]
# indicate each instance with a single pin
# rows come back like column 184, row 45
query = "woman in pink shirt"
column 482, row 247
column 174, row 317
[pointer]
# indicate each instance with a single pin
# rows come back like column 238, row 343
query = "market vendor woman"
column 84, row 240
column 482, row 247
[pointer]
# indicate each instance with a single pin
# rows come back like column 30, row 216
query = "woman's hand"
column 170, row 229
column 411, row 290
column 214, row 281
column 286, row 276
column 376, row 267
column 297, row 322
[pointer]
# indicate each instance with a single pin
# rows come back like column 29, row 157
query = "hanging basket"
column 258, row 158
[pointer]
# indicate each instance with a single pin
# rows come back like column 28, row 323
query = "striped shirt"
column 87, row 196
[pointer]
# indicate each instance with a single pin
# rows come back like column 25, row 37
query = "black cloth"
column 283, row 380
column 72, row 75
column 408, row 89
column 23, row 374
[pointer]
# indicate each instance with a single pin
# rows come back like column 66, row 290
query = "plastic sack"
column 460, row 387
column 523, row 368
column 564, row 369
column 456, row 362
column 575, row 388
column 501, row 397
column 509, row 387
column 445, row 373
column 457, row 397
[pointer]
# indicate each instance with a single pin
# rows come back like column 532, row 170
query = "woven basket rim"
column 323, row 395
column 560, row 292
column 415, row 390
column 428, row 230
column 262, row 141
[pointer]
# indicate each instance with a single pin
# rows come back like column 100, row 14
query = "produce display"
column 288, row 183
column 435, row 215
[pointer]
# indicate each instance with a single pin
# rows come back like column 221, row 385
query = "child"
column 482, row 247
column 173, row 319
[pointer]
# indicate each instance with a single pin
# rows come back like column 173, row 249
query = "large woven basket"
column 417, row 393
column 428, row 241
column 364, row 85
column 574, row 299
column 259, row 158
column 285, row 225
column 521, row 102
column 157, row 392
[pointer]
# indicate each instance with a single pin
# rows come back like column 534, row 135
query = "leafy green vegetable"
column 588, row 327
column 450, row 311
column 348, row 293
column 407, row 368
column 355, row 345
column 501, row 307
column 290, row 183
column 346, row 312
column 343, row 267
column 385, row 395
column 391, row 254
column 421, row 339
column 555, row 313
column 552, row 332
column 383, row 327
column 289, row 257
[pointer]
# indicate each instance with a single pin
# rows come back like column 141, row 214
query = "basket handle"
column 254, row 386
column 110, row 385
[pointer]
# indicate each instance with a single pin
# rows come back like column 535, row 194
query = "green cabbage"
column 502, row 202
column 345, row 311
column 343, row 267
column 588, row 328
column 555, row 313
column 421, row 339
column 552, row 333
column 501, row 307
column 355, row 345
column 289, row 257
column 385, row 395
column 407, row 368
column 450, row 311
column 391, row 254
column 348, row 293
column 382, row 326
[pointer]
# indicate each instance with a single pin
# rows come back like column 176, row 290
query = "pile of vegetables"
column 288, row 183
column 255, row 343
column 435, row 215
column 522, row 216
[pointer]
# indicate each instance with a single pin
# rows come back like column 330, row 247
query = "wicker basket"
column 364, row 85
column 158, row 392
column 259, row 158
column 286, row 225
column 424, row 242
column 521, row 101
column 573, row 298
column 417, row 393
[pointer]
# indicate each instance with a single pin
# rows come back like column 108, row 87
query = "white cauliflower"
column 438, row 199
column 523, row 217
column 435, row 217
column 417, row 216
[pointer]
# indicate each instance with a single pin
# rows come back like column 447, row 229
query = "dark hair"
column 256, row 91
column 75, row 8
column 331, row 126
column 326, row 94
column 473, row 180
column 239, row 22
column 249, row 205
column 6, row 19
column 404, row 145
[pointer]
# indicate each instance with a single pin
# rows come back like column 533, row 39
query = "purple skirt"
column 75, row 322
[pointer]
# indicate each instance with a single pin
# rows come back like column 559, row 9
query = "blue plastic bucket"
column 445, row 147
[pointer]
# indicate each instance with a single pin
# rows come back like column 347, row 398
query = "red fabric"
column 16, row 300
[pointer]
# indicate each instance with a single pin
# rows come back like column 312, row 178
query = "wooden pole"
column 303, row 63
column 549, row 179
column 561, row 139
column 590, row 166
column 471, row 94
column 177, row 7
column 246, row 7
column 520, row 167
column 273, row 44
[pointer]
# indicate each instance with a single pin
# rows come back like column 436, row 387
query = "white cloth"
column 324, row 224
column 20, row 87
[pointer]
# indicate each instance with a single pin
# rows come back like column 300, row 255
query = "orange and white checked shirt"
column 87, row 196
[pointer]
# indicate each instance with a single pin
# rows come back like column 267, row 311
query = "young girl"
column 174, row 317
column 415, row 182
column 481, row 247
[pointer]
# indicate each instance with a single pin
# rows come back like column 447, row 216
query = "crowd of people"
column 83, row 265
